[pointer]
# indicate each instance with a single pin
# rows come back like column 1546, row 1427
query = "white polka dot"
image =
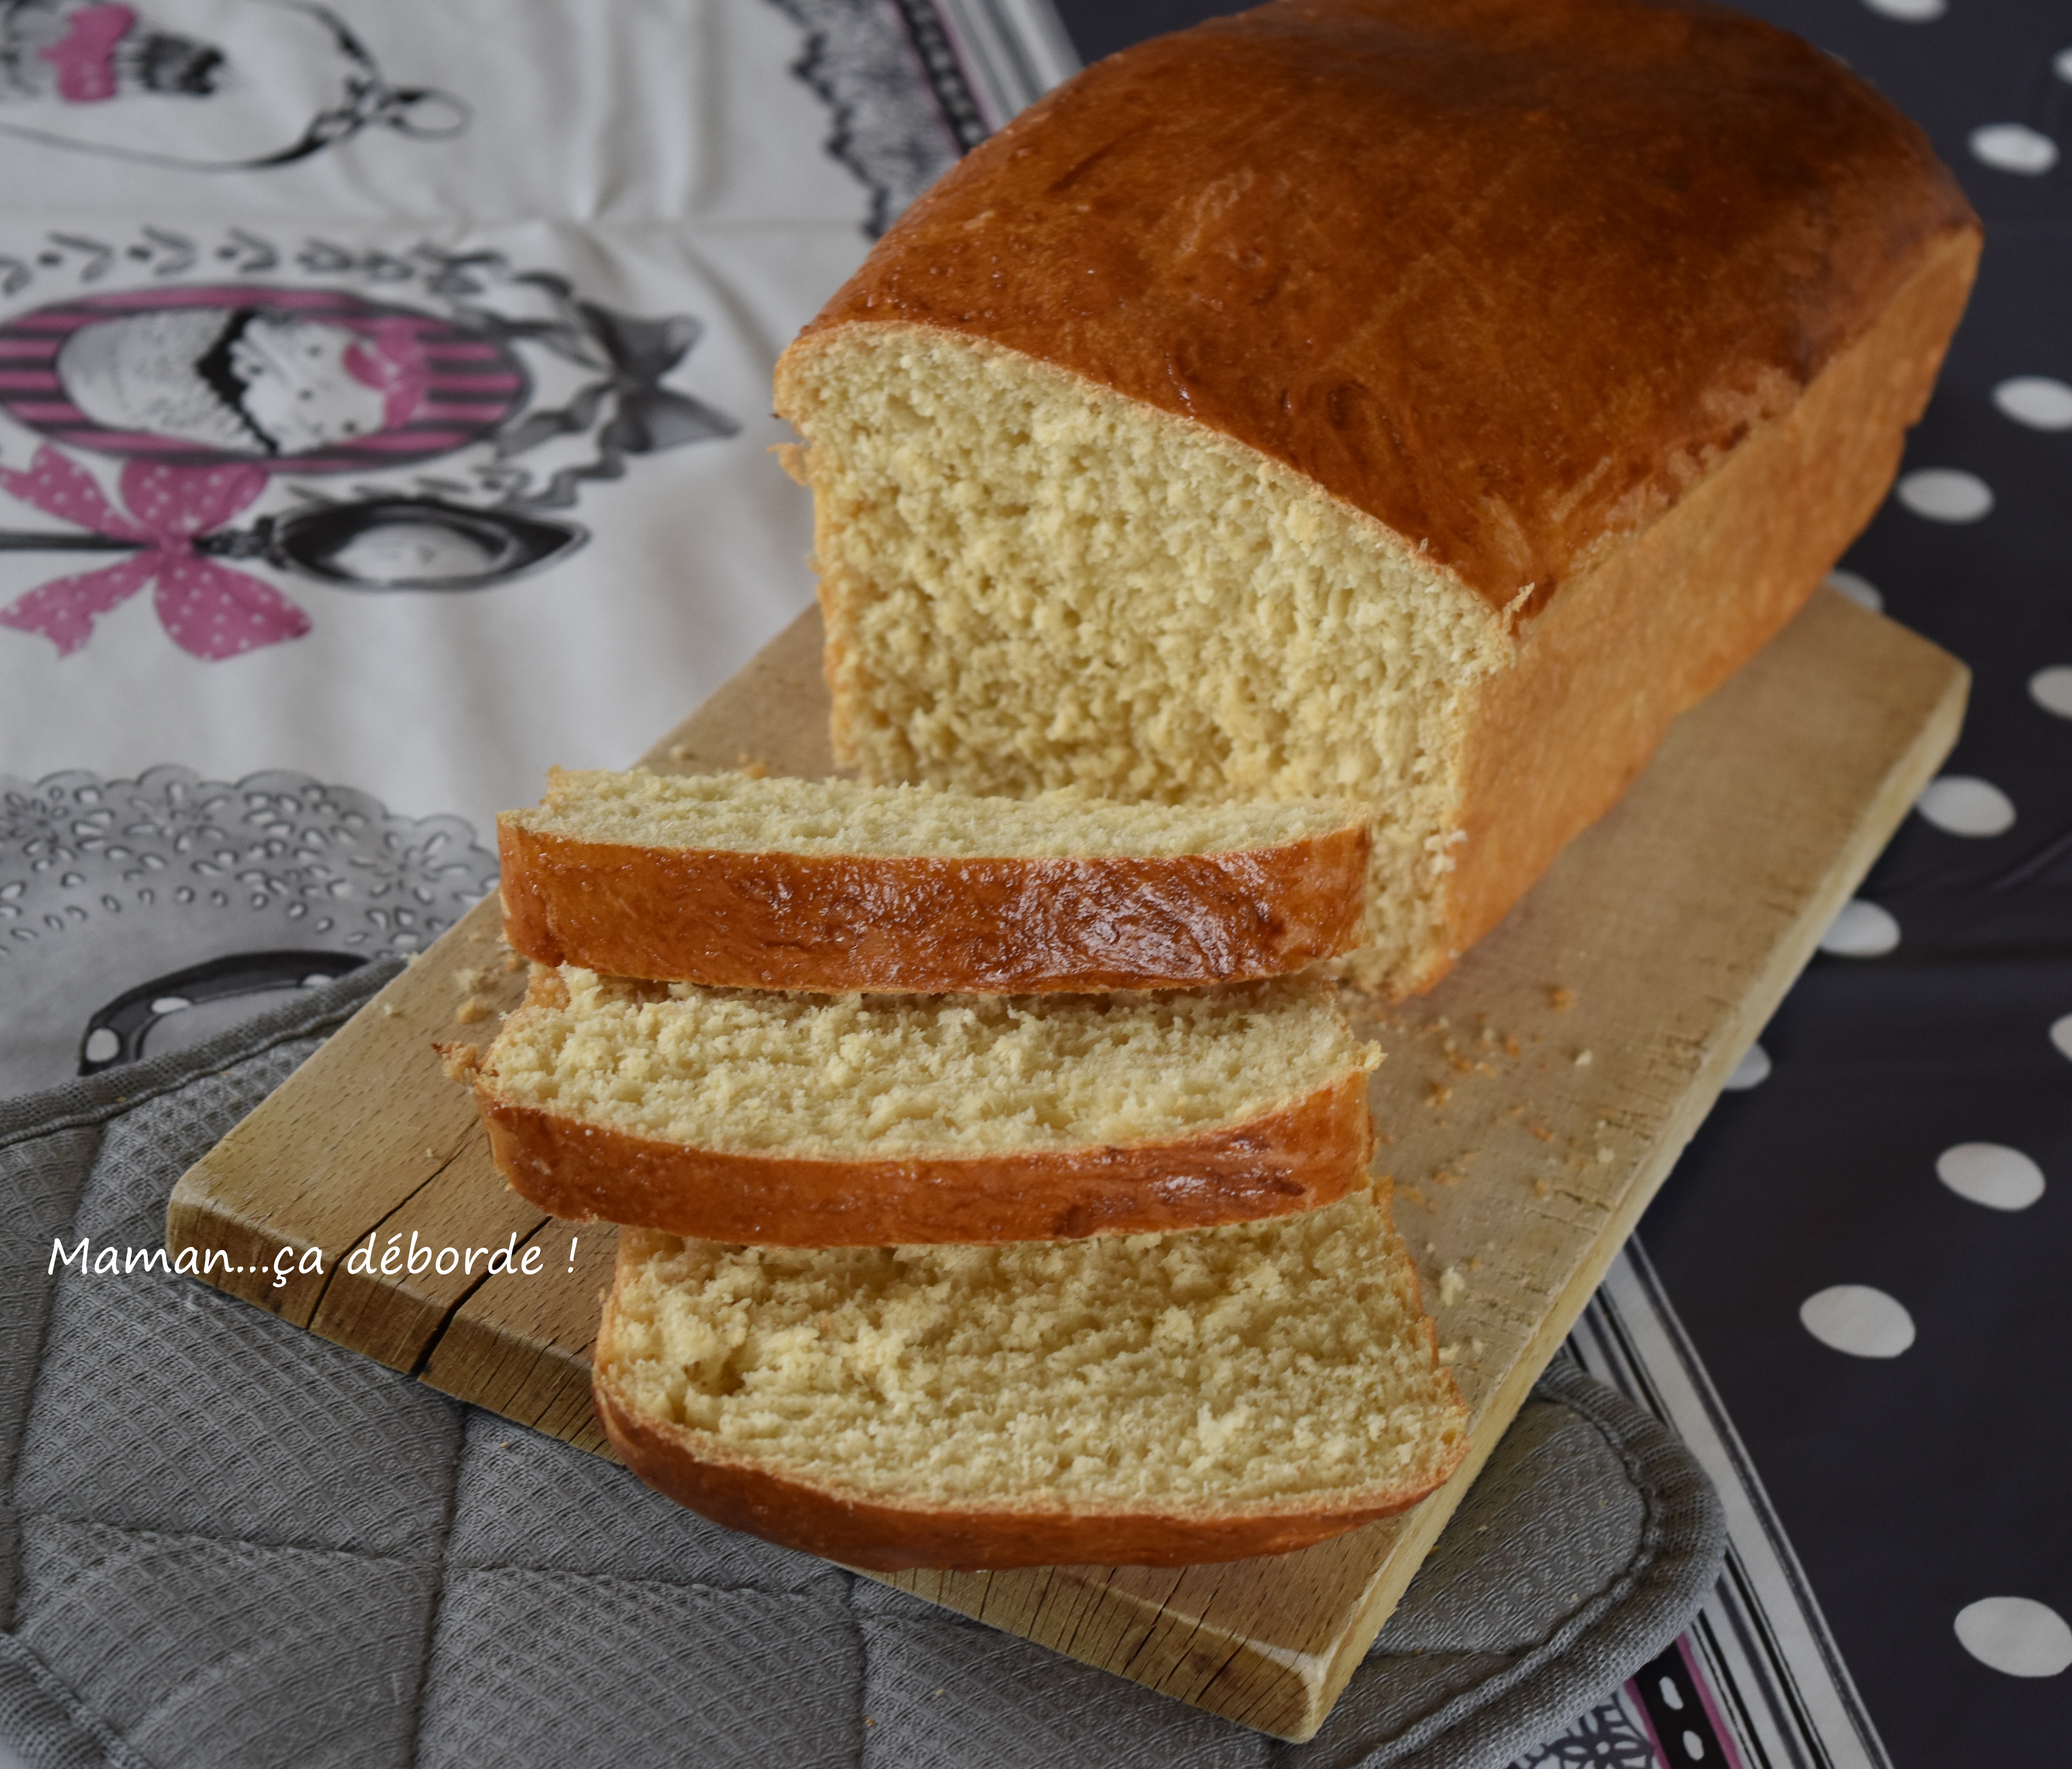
column 1862, row 930
column 102, row 1045
column 2036, row 400
column 2063, row 64
column 1912, row 12
column 1991, row 1173
column 1859, row 1320
column 2016, row 1635
column 2014, row 147
column 1964, row 805
column 1752, row 1070
column 1946, row 494
column 1859, row 590
column 2060, row 1035
column 2051, row 689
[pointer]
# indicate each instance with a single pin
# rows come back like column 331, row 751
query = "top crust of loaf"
column 1509, row 276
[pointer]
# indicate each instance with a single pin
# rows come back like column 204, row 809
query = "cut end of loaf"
column 1031, row 583
column 1203, row 1396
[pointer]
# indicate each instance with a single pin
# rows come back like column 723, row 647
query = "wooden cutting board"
column 1531, row 1105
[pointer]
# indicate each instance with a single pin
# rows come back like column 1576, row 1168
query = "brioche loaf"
column 1423, row 400
column 825, row 885
column 1155, row 1400
column 874, row 1120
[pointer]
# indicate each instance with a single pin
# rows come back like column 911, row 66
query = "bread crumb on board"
column 1452, row 1287
column 1584, row 1059
column 472, row 1009
column 1560, row 1000
column 460, row 1060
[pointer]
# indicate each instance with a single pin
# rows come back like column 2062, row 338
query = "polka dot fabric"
column 1869, row 1245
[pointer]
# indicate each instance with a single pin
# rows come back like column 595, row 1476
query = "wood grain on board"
column 1531, row 1105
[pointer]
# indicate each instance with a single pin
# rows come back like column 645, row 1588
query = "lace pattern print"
column 112, row 887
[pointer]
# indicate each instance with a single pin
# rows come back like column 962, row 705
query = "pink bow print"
column 209, row 609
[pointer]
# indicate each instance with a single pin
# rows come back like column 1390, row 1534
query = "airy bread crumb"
column 1031, row 583
column 1254, row 1363
column 851, row 1077
column 752, row 812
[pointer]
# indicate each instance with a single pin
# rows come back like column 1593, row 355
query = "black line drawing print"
column 368, row 543
column 116, row 1033
column 195, row 85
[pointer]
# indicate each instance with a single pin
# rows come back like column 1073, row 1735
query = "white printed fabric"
column 384, row 419
column 227, row 1541
column 384, row 387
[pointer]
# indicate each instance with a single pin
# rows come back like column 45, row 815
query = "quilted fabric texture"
column 224, row 1541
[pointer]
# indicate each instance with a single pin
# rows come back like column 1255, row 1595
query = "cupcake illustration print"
column 211, row 395
column 203, row 85
column 311, row 380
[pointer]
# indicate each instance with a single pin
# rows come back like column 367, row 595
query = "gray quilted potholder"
column 225, row 1542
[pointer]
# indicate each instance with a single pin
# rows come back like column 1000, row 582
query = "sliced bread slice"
column 826, row 884
column 1148, row 1400
column 805, row 1120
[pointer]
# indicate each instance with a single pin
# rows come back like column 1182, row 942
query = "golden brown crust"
column 695, row 1470
column 1306, row 1154
column 839, row 923
column 1510, row 276
column 1660, row 623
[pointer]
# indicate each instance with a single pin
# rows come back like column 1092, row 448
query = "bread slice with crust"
column 1147, row 1400
column 874, row 1120
column 826, row 884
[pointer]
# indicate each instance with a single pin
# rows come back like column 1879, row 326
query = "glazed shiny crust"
column 1306, row 1154
column 695, row 1469
column 838, row 923
column 1617, row 311
column 1659, row 622
column 1509, row 276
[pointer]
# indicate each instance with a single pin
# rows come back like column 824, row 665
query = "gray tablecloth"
column 226, row 1542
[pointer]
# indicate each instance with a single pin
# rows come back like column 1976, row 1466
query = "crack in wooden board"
column 1532, row 1104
